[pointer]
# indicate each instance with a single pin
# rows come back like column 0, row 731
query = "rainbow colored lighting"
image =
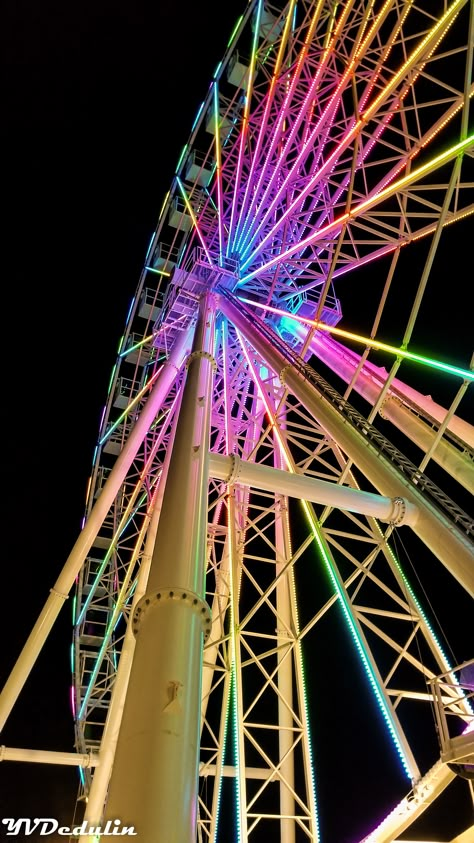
column 367, row 204
column 466, row 374
column 269, row 207
column 234, row 691
column 425, row 48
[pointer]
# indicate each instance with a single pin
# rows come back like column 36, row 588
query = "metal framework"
column 242, row 513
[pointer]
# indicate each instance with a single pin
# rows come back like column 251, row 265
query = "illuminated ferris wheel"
column 269, row 467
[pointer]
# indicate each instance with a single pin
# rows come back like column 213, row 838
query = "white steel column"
column 451, row 547
column 60, row 591
column 237, row 704
column 285, row 667
column 155, row 774
column 391, row 510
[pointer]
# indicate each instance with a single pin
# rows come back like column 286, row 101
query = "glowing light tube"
column 466, row 374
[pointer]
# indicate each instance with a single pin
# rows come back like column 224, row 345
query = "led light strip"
column 466, row 374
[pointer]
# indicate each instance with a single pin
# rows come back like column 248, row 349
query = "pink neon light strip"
column 316, row 79
column 220, row 214
column 324, row 120
column 279, row 122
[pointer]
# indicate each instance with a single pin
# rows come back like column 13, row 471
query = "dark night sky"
column 97, row 101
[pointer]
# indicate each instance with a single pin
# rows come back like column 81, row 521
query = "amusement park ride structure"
column 255, row 468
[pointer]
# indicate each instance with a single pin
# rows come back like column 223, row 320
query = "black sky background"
column 97, row 100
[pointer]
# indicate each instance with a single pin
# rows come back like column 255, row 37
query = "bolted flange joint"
column 235, row 469
column 399, row 510
column 281, row 375
column 195, row 354
column 179, row 595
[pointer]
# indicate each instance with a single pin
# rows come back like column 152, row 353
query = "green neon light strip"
column 158, row 271
column 234, row 31
column 137, row 345
column 466, row 374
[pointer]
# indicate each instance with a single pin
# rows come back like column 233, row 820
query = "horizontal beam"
column 228, row 771
column 43, row 756
column 232, row 469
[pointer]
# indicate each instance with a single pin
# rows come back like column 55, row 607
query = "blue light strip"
column 386, row 713
column 222, row 750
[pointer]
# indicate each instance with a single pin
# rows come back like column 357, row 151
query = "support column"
column 286, row 723
column 154, row 782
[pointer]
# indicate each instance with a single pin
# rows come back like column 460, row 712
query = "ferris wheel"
column 249, row 634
